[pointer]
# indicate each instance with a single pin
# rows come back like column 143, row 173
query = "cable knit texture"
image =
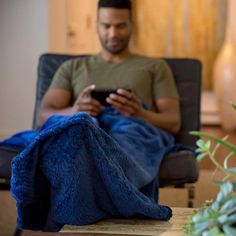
column 78, row 170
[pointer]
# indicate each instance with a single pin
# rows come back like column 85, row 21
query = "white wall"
column 23, row 37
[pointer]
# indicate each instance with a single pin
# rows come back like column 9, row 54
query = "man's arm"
column 167, row 116
column 57, row 101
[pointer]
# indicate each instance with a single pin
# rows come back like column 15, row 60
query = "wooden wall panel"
column 165, row 28
column 81, row 26
column 180, row 28
column 57, row 28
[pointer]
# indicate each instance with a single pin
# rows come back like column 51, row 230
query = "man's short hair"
column 120, row 4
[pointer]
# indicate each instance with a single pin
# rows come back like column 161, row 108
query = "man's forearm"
column 166, row 121
column 45, row 113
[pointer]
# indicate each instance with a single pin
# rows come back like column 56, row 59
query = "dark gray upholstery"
column 6, row 155
column 177, row 168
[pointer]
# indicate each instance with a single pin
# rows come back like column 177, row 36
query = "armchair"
column 187, row 73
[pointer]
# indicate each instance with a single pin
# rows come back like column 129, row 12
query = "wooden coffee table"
column 173, row 227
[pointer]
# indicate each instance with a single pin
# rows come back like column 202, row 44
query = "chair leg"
column 17, row 232
column 191, row 195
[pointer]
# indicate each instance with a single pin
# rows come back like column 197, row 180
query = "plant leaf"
column 233, row 105
column 201, row 156
column 228, row 230
column 218, row 182
column 215, row 206
column 231, row 169
column 234, row 187
column 229, row 204
column 222, row 219
column 227, row 159
column 215, row 232
column 225, row 189
column 226, row 144
column 202, row 226
column 200, row 143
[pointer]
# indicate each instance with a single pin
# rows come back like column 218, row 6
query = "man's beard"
column 124, row 45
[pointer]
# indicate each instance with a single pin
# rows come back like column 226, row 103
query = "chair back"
column 187, row 74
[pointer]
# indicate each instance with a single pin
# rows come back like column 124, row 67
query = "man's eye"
column 106, row 26
column 122, row 26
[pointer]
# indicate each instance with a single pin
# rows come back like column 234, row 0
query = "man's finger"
column 119, row 98
column 125, row 93
column 88, row 89
column 96, row 103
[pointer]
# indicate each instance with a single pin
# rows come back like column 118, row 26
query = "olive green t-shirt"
column 149, row 78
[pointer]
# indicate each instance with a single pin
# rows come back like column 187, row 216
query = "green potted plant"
column 218, row 217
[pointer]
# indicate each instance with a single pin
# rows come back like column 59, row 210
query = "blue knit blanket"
column 78, row 170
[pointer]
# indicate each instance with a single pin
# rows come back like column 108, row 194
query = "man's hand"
column 126, row 102
column 85, row 103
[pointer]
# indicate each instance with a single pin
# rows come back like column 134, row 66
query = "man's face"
column 114, row 29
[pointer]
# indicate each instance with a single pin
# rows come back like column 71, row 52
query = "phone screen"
column 101, row 95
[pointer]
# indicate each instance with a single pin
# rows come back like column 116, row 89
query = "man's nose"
column 113, row 32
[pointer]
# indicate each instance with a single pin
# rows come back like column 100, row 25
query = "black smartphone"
column 102, row 94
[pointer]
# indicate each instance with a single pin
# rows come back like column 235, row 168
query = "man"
column 115, row 67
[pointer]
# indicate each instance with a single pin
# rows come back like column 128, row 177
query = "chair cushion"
column 178, row 168
column 6, row 155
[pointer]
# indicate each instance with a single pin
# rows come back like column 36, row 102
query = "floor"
column 7, row 214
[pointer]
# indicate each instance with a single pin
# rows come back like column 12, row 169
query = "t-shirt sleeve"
column 164, row 83
column 62, row 77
